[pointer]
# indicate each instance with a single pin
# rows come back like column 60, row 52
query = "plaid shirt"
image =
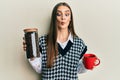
column 65, row 66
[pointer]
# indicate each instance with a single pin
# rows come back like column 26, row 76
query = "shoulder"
column 79, row 42
column 78, row 39
column 42, row 39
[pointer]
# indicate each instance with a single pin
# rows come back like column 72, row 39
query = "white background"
column 96, row 22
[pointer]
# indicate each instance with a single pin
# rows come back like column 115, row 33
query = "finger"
column 24, row 43
column 24, row 46
column 24, row 49
column 23, row 38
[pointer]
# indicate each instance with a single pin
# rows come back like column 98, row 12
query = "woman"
column 61, row 49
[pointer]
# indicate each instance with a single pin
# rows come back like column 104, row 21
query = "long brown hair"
column 52, row 49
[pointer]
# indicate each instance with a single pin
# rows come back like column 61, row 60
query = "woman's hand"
column 24, row 48
column 24, row 44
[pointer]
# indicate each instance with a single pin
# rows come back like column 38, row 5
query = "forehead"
column 63, row 9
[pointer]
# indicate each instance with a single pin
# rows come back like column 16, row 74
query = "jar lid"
column 30, row 29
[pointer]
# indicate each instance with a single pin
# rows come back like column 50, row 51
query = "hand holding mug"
column 90, row 61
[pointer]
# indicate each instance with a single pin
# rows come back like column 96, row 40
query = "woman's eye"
column 67, row 14
column 58, row 14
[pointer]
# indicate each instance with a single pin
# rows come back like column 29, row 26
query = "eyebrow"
column 65, row 11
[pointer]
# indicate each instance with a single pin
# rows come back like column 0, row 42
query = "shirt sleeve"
column 80, row 68
column 36, row 64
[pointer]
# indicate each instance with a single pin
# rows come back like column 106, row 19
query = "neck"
column 62, row 35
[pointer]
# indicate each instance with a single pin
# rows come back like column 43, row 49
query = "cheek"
column 58, row 19
column 68, row 19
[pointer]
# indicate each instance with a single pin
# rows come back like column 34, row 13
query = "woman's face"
column 63, row 17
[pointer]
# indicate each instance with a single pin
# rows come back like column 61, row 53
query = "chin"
column 63, row 27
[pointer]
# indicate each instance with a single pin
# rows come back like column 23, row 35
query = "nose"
column 63, row 17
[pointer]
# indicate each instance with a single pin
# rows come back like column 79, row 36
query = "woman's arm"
column 36, row 64
column 81, row 68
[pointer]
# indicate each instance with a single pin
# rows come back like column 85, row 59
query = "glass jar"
column 32, row 45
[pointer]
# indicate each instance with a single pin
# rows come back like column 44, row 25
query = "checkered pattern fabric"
column 65, row 67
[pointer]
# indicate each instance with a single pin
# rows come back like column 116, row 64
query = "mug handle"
column 96, row 64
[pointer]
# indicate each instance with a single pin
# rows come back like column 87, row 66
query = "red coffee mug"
column 90, row 61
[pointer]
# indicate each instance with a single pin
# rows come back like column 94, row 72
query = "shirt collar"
column 70, row 37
